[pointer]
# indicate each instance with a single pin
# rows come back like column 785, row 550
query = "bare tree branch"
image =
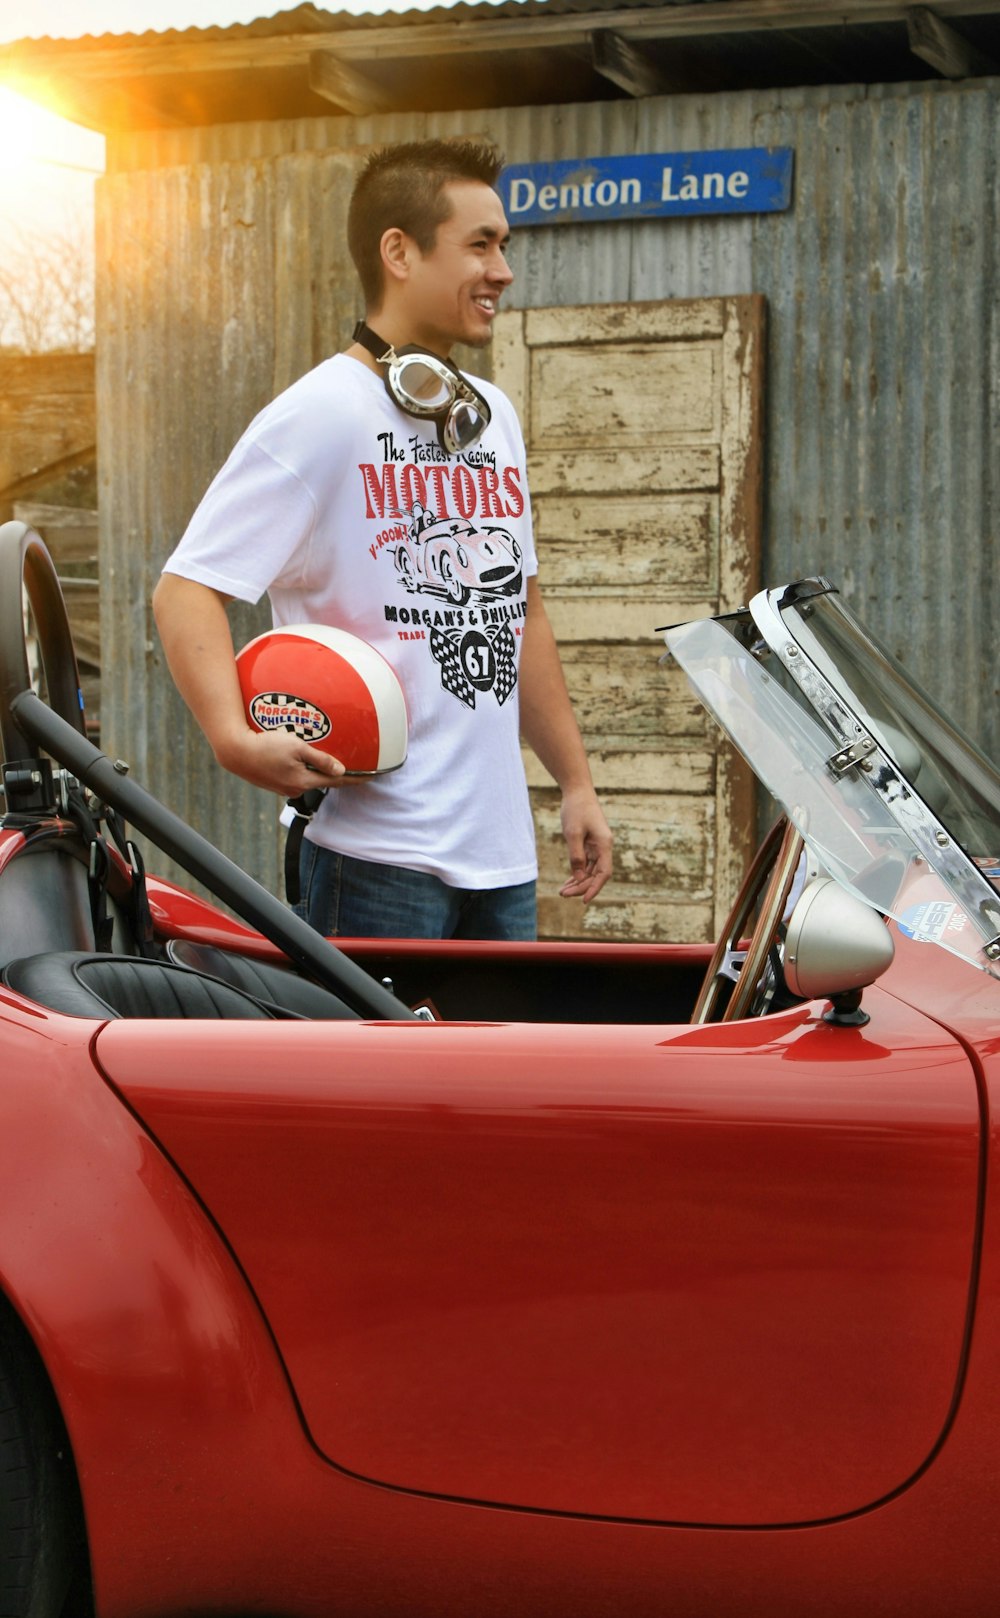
column 47, row 289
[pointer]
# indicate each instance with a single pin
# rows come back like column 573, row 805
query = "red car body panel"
column 607, row 1274
column 373, row 1319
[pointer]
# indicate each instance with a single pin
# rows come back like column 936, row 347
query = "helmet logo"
column 274, row 710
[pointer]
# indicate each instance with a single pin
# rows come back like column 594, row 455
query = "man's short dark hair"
column 402, row 187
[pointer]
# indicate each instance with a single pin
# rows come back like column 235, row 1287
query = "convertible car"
column 585, row 1279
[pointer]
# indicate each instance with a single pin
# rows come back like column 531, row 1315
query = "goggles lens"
column 463, row 425
column 423, row 386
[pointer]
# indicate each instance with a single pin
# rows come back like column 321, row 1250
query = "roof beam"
column 479, row 35
column 710, row 17
column 628, row 65
column 944, row 48
column 346, row 86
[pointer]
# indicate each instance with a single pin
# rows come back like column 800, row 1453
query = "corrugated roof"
column 308, row 19
column 467, row 56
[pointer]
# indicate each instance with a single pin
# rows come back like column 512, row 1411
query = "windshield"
column 896, row 804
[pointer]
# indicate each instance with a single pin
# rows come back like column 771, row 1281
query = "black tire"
column 43, row 1571
column 457, row 591
column 404, row 566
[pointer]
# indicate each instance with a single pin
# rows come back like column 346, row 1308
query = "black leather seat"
column 45, row 903
column 82, row 984
column 273, row 985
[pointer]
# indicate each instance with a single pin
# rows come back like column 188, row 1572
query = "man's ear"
column 396, row 249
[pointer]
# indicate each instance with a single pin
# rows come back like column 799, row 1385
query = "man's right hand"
column 194, row 629
column 279, row 762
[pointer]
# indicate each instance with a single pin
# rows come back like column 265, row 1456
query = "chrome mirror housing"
column 834, row 943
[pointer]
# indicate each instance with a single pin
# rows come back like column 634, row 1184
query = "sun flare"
column 23, row 129
column 30, row 133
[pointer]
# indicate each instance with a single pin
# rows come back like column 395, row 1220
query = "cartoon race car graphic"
column 449, row 557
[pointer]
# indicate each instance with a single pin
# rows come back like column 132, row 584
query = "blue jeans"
column 344, row 897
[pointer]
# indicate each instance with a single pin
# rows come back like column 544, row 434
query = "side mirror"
column 834, row 943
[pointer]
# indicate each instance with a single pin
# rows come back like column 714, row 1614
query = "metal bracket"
column 29, row 787
column 847, row 758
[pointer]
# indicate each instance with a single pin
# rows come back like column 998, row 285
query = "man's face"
column 453, row 291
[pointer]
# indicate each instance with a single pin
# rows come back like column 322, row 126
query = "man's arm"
column 549, row 727
column 194, row 629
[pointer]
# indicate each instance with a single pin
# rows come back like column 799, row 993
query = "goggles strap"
column 377, row 347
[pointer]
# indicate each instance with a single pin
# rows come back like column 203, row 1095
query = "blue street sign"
column 754, row 179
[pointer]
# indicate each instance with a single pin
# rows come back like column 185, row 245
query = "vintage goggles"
column 431, row 388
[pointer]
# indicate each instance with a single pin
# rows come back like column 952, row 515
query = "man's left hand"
column 588, row 841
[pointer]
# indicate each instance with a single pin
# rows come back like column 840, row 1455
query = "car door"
column 716, row 1275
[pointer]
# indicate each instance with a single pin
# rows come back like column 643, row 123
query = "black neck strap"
column 376, row 345
column 378, row 348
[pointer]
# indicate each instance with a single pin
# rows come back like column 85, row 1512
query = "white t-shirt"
column 346, row 511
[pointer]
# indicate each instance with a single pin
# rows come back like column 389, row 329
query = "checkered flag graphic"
column 447, row 646
column 445, row 650
column 506, row 676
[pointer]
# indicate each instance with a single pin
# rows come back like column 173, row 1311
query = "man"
column 349, row 504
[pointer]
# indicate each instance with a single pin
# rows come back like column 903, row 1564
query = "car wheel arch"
column 162, row 1287
column 42, row 1526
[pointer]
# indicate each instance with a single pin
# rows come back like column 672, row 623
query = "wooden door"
column 643, row 423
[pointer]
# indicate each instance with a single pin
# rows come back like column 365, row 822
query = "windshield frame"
column 859, row 750
column 798, row 710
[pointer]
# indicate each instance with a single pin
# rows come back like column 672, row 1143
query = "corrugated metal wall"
column 883, row 396
column 223, row 274
column 185, row 358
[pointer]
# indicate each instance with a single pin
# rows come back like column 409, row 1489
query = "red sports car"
column 611, row 1279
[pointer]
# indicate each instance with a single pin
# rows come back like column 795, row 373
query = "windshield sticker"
column 933, row 923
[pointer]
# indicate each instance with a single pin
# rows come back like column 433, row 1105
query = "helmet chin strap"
column 302, row 809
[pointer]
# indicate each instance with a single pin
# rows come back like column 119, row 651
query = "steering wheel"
column 768, row 881
column 25, row 565
column 27, row 724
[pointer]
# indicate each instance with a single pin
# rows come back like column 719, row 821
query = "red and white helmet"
column 332, row 689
